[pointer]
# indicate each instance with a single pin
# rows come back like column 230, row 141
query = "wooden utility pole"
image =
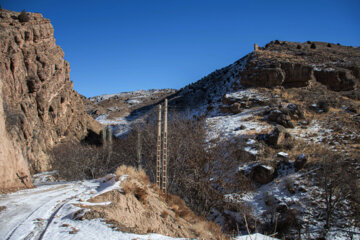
column 158, row 151
column 139, row 149
column 164, row 149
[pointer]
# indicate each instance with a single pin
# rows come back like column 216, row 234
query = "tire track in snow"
column 39, row 231
column 51, row 218
column 17, row 226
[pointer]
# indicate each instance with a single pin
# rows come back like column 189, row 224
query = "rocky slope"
column 40, row 107
column 284, row 122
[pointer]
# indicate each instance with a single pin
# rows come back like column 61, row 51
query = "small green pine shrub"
column 23, row 16
column 298, row 47
column 277, row 42
column 329, row 45
column 313, row 46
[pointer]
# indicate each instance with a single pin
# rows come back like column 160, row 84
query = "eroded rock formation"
column 39, row 106
column 292, row 64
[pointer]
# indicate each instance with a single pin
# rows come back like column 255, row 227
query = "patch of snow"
column 255, row 236
column 44, row 178
column 283, row 154
column 137, row 94
column 224, row 126
column 48, row 211
column 133, row 101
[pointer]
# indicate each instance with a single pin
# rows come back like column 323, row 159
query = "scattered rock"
column 280, row 117
column 300, row 162
column 284, row 168
column 322, row 106
column 242, row 127
column 281, row 208
column 295, row 111
column 280, row 138
column 285, row 115
column 74, row 230
column 283, row 155
column 235, row 108
column 262, row 174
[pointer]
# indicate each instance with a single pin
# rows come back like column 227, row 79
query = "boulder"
column 262, row 174
column 300, row 162
column 280, row 138
column 281, row 118
column 295, row 111
column 285, row 115
column 235, row 108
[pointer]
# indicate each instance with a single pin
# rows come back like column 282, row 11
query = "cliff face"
column 39, row 105
column 292, row 64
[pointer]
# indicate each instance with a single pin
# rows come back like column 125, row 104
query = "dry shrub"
column 138, row 174
column 202, row 228
column 179, row 207
column 164, row 214
column 132, row 187
column 76, row 161
column 189, row 163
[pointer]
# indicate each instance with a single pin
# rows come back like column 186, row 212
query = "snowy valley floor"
column 48, row 212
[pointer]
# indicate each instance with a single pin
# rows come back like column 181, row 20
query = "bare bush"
column 338, row 189
column 78, row 161
column 189, row 163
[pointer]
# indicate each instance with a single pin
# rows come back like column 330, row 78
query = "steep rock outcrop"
column 40, row 106
column 291, row 64
column 14, row 169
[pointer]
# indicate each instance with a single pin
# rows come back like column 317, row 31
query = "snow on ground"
column 134, row 97
column 241, row 124
column 48, row 211
column 255, row 236
column 250, row 93
column 313, row 133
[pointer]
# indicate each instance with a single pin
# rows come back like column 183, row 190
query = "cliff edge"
column 39, row 107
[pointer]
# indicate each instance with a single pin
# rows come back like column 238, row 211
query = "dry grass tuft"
column 138, row 174
column 201, row 228
column 179, row 207
column 132, row 187
column 164, row 214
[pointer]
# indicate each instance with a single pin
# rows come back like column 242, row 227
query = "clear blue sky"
column 125, row 45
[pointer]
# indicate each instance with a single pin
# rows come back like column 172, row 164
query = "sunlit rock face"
column 39, row 106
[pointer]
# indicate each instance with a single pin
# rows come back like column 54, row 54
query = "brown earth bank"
column 39, row 107
column 141, row 207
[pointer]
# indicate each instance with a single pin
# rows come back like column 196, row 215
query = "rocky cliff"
column 39, row 106
column 292, row 64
